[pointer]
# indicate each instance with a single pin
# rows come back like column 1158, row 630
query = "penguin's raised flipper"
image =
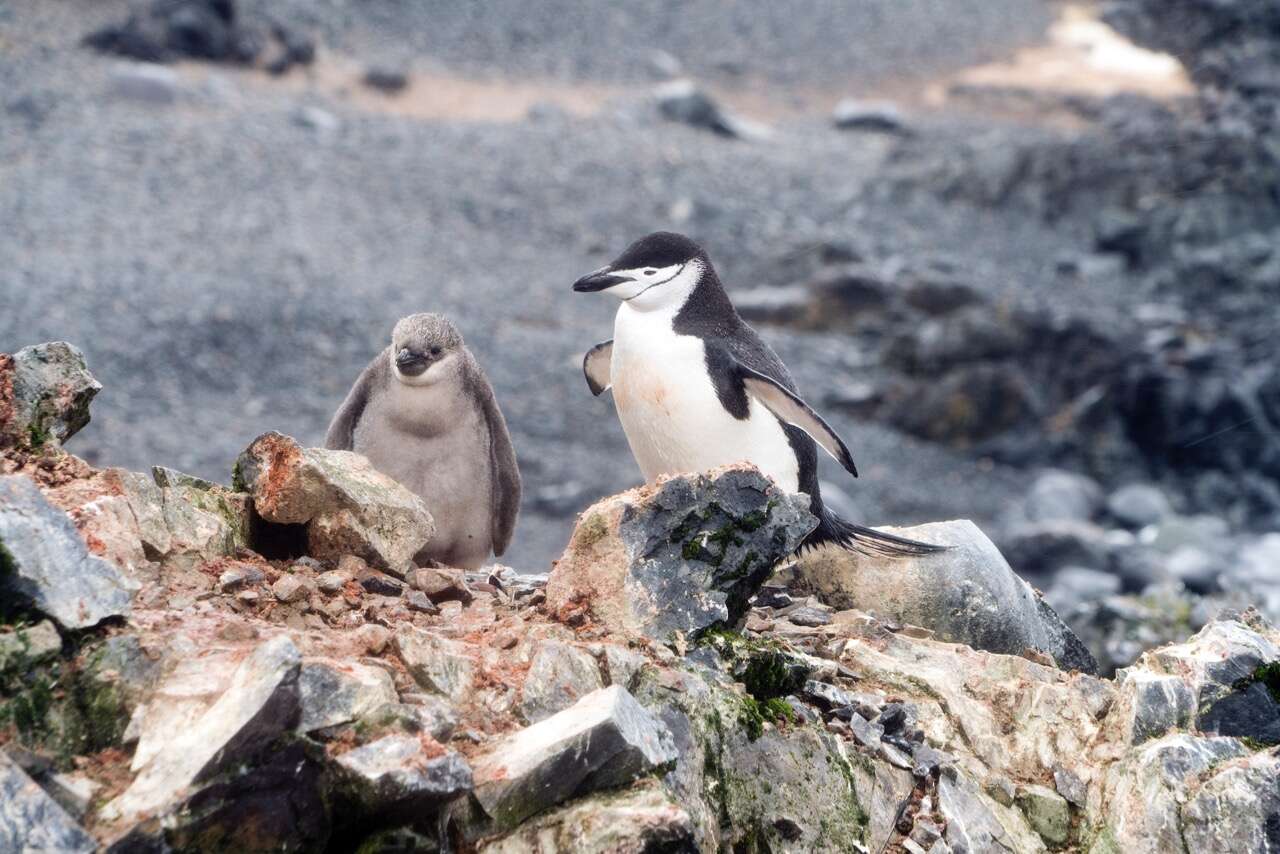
column 596, row 367
column 792, row 410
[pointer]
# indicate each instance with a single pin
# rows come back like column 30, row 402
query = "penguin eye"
column 650, row 272
column 435, row 351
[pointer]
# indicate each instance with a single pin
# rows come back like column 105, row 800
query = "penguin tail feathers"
column 856, row 538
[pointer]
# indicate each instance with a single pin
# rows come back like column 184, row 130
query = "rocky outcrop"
column 678, row 557
column 655, row 696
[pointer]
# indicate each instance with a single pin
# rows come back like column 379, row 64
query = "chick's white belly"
column 675, row 423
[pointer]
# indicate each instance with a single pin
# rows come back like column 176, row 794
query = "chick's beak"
column 410, row 363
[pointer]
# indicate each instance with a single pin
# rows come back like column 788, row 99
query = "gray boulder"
column 336, row 692
column 559, row 676
column 967, row 594
column 438, row 664
column 606, row 739
column 396, row 774
column 44, row 563
column 31, row 821
column 260, row 704
column 680, row 556
column 881, row 116
column 1058, row 494
column 346, row 506
column 1236, row 810
column 1138, row 505
column 45, row 392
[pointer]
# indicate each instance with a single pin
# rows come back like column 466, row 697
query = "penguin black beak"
column 599, row 281
column 411, row 364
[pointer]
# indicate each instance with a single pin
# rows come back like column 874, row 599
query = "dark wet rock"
column 45, row 393
column 44, row 563
column 1151, row 704
column 1249, row 712
column 335, row 501
column 380, row 583
column 397, row 775
column 31, row 820
column 559, row 676
column 605, row 739
column 214, row 30
column 1042, row 548
column 879, row 116
column 967, row 594
column 386, row 79
column 682, row 556
column 683, row 101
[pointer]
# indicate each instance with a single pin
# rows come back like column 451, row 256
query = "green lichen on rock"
column 764, row 667
column 1269, row 675
column 592, row 530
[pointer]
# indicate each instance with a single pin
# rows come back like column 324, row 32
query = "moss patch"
column 755, row 712
column 1269, row 675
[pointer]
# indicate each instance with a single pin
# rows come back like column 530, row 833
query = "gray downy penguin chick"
column 695, row 387
column 423, row 412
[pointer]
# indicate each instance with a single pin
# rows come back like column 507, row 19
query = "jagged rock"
column 559, row 676
column 1143, row 794
column 44, row 563
column 1151, row 704
column 632, row 821
column 28, row 645
column 45, row 392
column 1048, row 813
column 31, row 821
column 1236, row 810
column 680, row 556
column 441, row 584
column 966, row 595
column 346, row 506
column 398, row 775
column 259, row 704
column 605, row 739
column 438, row 664
column 335, row 692
column 976, row 822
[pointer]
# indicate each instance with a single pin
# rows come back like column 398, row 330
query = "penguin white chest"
column 671, row 414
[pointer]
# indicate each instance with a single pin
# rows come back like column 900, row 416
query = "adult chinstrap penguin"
column 695, row 387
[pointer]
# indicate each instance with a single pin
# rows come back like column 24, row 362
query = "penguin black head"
column 656, row 271
column 420, row 342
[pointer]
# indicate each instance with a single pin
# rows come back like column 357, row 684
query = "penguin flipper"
column 342, row 429
column 596, row 367
column 504, row 471
column 789, row 408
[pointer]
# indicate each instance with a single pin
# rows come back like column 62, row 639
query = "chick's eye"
column 650, row 272
column 435, row 351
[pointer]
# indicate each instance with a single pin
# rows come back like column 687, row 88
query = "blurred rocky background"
column 1024, row 254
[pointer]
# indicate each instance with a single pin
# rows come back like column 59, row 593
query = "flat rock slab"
column 965, row 595
column 642, row 819
column 335, row 692
column 44, row 563
column 681, row 556
column 397, row 774
column 260, row 703
column 606, row 739
column 345, row 504
column 31, row 821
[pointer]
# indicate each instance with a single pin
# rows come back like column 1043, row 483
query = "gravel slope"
column 228, row 270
